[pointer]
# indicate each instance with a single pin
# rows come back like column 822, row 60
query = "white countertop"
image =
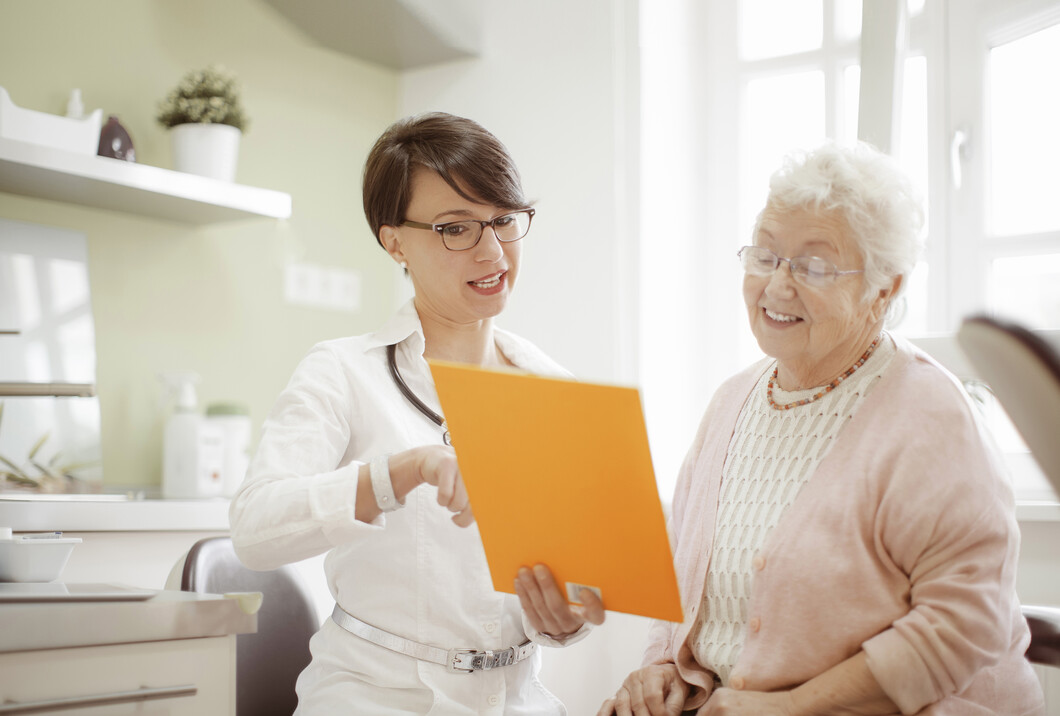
column 26, row 626
column 119, row 513
column 1037, row 512
column 111, row 513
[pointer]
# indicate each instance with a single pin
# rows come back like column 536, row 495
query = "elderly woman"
column 354, row 459
column 843, row 529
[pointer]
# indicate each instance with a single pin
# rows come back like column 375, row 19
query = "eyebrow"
column 809, row 245
column 451, row 212
column 466, row 214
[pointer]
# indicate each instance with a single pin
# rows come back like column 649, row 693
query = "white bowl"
column 34, row 559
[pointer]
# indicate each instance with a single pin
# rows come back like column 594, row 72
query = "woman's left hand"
column 730, row 702
column 546, row 607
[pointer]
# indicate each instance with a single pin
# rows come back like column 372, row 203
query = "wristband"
column 382, row 487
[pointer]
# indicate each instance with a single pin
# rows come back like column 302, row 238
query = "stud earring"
column 404, row 264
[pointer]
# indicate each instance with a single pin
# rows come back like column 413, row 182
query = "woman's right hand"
column 656, row 690
column 433, row 465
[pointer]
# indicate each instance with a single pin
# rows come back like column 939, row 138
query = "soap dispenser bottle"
column 192, row 448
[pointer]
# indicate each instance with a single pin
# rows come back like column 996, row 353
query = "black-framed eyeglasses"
column 463, row 235
column 809, row 270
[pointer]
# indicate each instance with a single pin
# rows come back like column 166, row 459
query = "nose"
column 488, row 248
column 781, row 281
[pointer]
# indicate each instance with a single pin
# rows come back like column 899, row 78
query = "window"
column 728, row 88
column 1006, row 218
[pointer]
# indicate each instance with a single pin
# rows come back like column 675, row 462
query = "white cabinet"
column 181, row 677
column 173, row 654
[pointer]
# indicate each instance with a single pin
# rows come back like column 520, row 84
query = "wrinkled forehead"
column 800, row 231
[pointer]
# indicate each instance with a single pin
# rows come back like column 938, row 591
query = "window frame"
column 974, row 29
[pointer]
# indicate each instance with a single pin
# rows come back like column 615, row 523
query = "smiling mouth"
column 780, row 317
column 488, row 283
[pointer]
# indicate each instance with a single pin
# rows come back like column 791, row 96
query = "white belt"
column 457, row 660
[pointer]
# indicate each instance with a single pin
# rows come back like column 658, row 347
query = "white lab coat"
column 411, row 572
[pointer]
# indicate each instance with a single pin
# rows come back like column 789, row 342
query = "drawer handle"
column 117, row 697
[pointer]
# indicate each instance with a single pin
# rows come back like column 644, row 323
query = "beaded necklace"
column 827, row 389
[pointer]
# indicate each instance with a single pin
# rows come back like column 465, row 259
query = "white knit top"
column 771, row 455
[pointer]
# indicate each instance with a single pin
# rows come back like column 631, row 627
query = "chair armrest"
column 1045, row 634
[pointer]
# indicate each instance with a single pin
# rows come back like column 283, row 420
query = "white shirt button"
column 489, row 627
column 494, row 700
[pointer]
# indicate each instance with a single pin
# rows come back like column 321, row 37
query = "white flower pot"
column 209, row 150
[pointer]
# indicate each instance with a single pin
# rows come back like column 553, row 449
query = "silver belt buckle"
column 468, row 660
column 457, row 657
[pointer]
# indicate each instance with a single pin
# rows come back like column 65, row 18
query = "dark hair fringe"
column 471, row 160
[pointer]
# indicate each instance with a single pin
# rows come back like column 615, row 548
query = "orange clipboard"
column 559, row 473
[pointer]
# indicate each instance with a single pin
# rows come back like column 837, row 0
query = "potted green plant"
column 206, row 120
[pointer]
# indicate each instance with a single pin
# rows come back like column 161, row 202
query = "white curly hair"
column 871, row 193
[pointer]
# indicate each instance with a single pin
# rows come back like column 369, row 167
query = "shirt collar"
column 514, row 351
column 403, row 325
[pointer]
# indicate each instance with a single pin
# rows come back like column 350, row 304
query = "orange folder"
column 559, row 473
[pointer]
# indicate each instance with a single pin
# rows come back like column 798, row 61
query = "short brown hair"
column 460, row 150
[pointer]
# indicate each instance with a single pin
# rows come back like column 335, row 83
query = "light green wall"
column 168, row 296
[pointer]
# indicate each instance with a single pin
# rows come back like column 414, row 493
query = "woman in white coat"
column 354, row 459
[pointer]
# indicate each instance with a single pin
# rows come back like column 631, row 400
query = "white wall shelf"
column 401, row 34
column 104, row 183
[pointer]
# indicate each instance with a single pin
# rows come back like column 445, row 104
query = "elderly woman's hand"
column 546, row 607
column 656, row 690
column 729, row 702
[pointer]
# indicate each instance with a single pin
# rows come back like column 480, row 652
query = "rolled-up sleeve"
column 298, row 500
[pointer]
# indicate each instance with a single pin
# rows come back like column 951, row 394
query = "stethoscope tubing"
column 391, row 361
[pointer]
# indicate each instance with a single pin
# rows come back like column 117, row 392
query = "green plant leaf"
column 46, row 470
column 19, row 479
column 207, row 96
column 37, row 445
column 13, row 466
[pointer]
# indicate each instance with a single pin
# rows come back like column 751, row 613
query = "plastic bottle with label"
column 192, row 447
column 233, row 419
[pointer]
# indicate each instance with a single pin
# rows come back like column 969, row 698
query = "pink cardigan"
column 903, row 544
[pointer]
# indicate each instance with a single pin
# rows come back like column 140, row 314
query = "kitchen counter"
column 28, row 626
column 111, row 513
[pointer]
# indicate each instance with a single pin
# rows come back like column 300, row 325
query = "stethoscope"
column 391, row 360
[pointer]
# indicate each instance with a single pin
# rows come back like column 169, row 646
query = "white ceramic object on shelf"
column 34, row 558
column 51, row 130
column 209, row 150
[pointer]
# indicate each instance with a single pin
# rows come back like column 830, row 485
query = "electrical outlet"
column 298, row 284
column 345, row 294
column 317, row 286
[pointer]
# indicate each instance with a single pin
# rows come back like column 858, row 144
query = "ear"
column 391, row 241
column 884, row 298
